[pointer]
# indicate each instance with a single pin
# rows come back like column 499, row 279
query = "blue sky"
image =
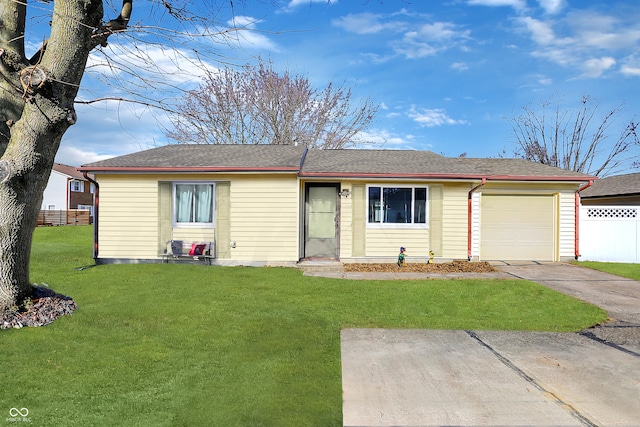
column 446, row 74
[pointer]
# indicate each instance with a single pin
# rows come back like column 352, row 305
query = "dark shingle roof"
column 371, row 161
column 619, row 185
column 184, row 157
column 327, row 163
column 71, row 171
column 406, row 162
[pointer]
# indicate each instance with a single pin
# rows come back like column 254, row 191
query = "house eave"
column 446, row 176
column 609, row 196
column 182, row 169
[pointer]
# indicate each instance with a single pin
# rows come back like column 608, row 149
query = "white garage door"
column 517, row 227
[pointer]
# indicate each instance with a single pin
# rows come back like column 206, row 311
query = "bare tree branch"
column 577, row 140
column 257, row 105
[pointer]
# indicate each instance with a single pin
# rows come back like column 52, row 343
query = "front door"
column 321, row 221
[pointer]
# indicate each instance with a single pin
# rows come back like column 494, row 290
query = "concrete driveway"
column 497, row 378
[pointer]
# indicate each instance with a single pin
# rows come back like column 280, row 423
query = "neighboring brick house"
column 67, row 189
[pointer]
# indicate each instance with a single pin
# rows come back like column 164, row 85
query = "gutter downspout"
column 469, row 216
column 576, row 227
column 303, row 158
column 96, row 200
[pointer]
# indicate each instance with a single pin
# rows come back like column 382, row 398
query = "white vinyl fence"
column 610, row 233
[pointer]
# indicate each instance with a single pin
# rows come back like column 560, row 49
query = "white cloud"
column 516, row 4
column 247, row 36
column 367, row 23
column 589, row 42
column 109, row 128
column 419, row 38
column 147, row 63
column 561, row 56
column 382, row 138
column 429, row 39
column 603, row 31
column 412, row 47
column 75, row 156
column 595, row 67
column 630, row 71
column 293, row 4
column 631, row 67
column 432, row 117
column 541, row 32
column 459, row 66
column 552, row 6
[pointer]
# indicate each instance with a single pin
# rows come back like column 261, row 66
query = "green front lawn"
column 631, row 271
column 191, row 345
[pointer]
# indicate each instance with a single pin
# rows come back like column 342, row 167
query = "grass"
column 631, row 271
column 191, row 345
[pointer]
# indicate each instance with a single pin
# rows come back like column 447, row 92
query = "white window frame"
column 86, row 208
column 392, row 225
column 77, row 186
column 174, row 199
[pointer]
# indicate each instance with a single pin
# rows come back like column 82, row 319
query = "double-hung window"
column 193, row 203
column 406, row 205
column 77, row 186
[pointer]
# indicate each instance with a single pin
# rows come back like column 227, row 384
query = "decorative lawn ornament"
column 401, row 257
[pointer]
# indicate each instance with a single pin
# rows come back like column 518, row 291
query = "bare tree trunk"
column 20, row 198
column 37, row 109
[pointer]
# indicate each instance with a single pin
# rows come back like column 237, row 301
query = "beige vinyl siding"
column 567, row 224
column 386, row 242
column 435, row 219
column 475, row 226
column 264, row 218
column 194, row 234
column 455, row 223
column 359, row 215
column 261, row 216
column 128, row 222
column 223, row 220
column 165, row 223
column 346, row 223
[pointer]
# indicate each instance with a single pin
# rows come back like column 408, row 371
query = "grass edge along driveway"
column 174, row 345
column 630, row 271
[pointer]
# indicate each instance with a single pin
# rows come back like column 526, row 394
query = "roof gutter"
column 96, row 199
column 183, row 169
column 576, row 228
column 440, row 176
column 470, row 218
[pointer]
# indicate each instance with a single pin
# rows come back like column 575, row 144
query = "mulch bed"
column 45, row 306
column 444, row 267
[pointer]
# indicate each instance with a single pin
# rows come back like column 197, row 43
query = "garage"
column 517, row 227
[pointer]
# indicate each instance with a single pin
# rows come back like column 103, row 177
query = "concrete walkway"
column 497, row 378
